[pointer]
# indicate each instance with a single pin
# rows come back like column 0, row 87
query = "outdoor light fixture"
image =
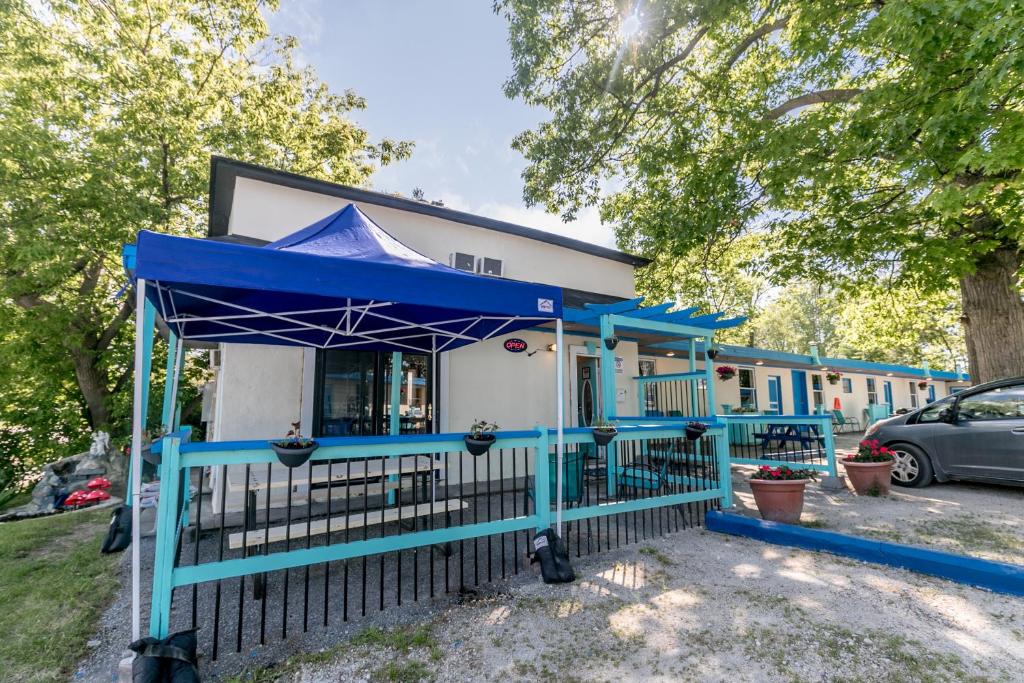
column 611, row 342
column 670, row 354
column 760, row 362
column 552, row 347
column 888, row 374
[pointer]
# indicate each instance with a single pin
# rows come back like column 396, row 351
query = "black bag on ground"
column 119, row 534
column 549, row 550
column 171, row 660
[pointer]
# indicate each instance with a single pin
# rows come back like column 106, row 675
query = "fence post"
column 724, row 467
column 166, row 537
column 830, row 446
column 542, row 481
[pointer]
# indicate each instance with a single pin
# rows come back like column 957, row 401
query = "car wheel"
column 911, row 467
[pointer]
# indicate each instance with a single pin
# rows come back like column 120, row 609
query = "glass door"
column 415, row 413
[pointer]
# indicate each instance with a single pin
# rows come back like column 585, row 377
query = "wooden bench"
column 298, row 530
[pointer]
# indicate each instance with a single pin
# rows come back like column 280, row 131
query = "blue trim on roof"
column 806, row 359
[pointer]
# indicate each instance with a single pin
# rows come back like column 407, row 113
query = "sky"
column 432, row 72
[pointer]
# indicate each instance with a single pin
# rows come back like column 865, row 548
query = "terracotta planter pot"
column 779, row 501
column 869, row 478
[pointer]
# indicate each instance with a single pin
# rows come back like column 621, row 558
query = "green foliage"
column 109, row 112
column 861, row 142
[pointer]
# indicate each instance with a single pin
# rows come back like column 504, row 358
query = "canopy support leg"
column 143, row 333
column 394, row 422
column 560, row 402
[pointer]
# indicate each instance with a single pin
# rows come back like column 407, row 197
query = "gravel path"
column 700, row 606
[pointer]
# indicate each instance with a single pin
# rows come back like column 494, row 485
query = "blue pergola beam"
column 651, row 311
column 617, row 307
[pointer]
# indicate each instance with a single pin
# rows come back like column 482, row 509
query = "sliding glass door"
column 353, row 393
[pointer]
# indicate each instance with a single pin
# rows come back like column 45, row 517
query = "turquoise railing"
column 708, row 483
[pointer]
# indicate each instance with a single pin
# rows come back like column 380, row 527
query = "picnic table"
column 804, row 434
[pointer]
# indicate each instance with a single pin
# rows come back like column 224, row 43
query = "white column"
column 560, row 402
column 136, row 465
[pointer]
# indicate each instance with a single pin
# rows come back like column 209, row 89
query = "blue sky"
column 432, row 72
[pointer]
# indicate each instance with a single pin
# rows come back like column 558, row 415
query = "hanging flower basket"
column 294, row 450
column 604, row 433
column 695, row 430
column 481, row 437
column 922, row 385
column 833, row 377
column 725, row 372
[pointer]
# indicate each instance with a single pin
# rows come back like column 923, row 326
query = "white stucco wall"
column 269, row 212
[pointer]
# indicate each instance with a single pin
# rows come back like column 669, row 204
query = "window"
column 872, row 392
column 818, row 391
column 1004, row 403
column 913, row 394
column 847, row 385
column 353, row 394
column 647, row 368
column 748, row 392
column 931, row 413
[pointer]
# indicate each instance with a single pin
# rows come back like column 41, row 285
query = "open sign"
column 514, row 345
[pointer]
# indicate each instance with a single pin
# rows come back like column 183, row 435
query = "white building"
column 261, row 390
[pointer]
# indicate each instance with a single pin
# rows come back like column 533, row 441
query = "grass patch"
column 971, row 535
column 815, row 524
column 656, row 554
column 402, row 669
column 54, row 583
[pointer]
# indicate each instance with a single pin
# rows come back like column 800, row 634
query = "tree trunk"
column 93, row 385
column 993, row 317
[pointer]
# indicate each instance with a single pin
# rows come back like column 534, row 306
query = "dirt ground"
column 699, row 606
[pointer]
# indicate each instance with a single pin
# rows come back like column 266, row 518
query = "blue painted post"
column 148, row 322
column 830, row 446
column 709, row 375
column 724, row 468
column 167, row 413
column 608, row 397
column 542, row 480
column 395, row 423
column 166, row 536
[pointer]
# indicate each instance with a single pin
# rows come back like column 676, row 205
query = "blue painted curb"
column 998, row 577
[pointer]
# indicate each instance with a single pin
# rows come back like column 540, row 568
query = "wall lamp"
column 670, row 354
column 552, row 347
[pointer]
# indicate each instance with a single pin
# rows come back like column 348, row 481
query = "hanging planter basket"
column 922, row 385
column 695, row 430
column 479, row 444
column 291, row 456
column 604, row 435
column 725, row 376
column 712, row 353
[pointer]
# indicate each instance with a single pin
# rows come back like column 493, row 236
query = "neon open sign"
column 514, row 345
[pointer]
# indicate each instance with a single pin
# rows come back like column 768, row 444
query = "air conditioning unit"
column 490, row 266
column 462, row 261
column 215, row 359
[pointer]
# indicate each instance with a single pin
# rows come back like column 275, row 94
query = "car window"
column 931, row 413
column 995, row 404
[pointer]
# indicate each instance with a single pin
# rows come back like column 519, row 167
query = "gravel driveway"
column 699, row 606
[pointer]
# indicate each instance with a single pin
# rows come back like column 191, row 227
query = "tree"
column 872, row 141
column 109, row 112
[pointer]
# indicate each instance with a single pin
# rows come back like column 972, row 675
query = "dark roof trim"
column 224, row 171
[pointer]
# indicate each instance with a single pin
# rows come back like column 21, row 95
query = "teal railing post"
column 542, row 480
column 724, row 467
column 166, row 536
column 709, row 376
column 148, row 323
column 395, row 422
column 167, row 413
column 830, row 446
column 608, row 397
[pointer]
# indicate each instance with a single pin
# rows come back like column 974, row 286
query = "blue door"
column 887, row 392
column 800, row 406
column 775, row 394
column 931, row 393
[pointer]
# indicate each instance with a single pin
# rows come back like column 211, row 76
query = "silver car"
column 976, row 435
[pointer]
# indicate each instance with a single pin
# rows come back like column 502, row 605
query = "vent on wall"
column 462, row 261
column 490, row 266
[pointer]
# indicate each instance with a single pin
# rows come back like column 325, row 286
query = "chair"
column 840, row 421
column 572, row 478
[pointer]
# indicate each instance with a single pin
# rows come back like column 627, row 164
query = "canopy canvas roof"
column 342, row 282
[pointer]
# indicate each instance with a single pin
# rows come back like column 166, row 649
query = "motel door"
column 800, row 406
column 586, row 386
column 887, row 393
column 775, row 394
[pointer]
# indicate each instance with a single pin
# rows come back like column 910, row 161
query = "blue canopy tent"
column 340, row 283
